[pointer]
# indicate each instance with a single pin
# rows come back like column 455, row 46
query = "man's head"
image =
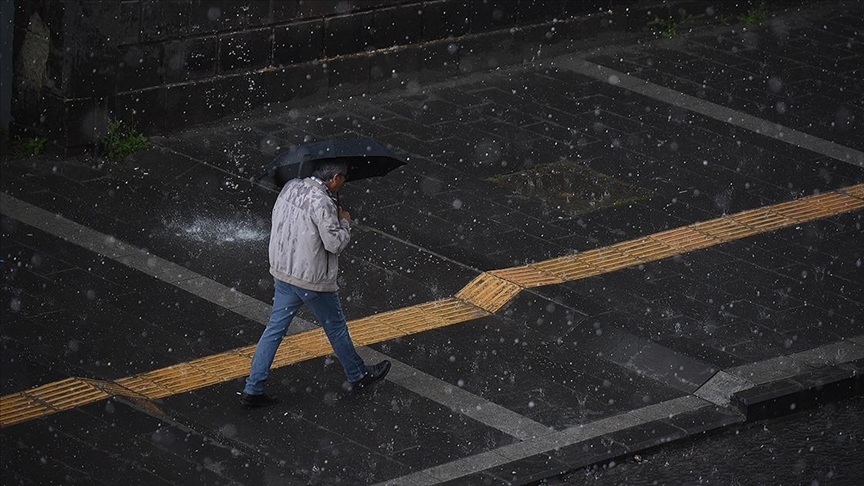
column 332, row 173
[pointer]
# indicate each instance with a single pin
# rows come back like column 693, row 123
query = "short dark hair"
column 325, row 170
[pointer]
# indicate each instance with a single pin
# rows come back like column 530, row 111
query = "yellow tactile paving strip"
column 489, row 292
column 483, row 296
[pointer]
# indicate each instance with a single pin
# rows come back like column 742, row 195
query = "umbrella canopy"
column 365, row 158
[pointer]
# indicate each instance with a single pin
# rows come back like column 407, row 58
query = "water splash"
column 208, row 229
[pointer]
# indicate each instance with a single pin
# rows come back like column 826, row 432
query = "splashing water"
column 203, row 229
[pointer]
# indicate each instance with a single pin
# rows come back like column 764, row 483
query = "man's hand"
column 343, row 214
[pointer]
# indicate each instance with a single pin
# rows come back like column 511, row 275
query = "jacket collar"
column 323, row 186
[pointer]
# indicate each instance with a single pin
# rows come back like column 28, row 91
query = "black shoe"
column 373, row 374
column 255, row 401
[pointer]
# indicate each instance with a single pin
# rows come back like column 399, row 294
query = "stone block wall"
column 169, row 64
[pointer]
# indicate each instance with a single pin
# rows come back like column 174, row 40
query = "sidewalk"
column 163, row 260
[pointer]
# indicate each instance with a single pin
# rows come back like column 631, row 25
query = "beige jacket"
column 307, row 237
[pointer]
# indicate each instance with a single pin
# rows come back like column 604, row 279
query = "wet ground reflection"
column 818, row 447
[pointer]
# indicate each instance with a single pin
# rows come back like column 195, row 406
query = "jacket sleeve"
column 335, row 233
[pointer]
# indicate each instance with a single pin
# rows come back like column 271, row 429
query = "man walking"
column 308, row 233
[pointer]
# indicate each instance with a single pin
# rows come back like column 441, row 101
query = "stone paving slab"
column 606, row 365
column 788, row 70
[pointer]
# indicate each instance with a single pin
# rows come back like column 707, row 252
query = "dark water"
column 817, row 447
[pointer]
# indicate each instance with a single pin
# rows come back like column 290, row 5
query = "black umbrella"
column 365, row 158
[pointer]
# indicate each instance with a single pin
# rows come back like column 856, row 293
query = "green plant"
column 122, row 140
column 32, row 146
column 16, row 147
column 754, row 16
column 668, row 27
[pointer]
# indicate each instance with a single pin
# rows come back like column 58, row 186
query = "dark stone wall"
column 170, row 64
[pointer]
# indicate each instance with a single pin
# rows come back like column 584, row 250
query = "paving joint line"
column 581, row 65
column 857, row 339
column 567, row 437
column 461, row 315
column 716, row 391
column 159, row 387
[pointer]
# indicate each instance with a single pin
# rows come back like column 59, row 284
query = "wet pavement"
column 821, row 446
column 161, row 260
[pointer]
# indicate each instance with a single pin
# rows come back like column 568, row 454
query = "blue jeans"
column 287, row 300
